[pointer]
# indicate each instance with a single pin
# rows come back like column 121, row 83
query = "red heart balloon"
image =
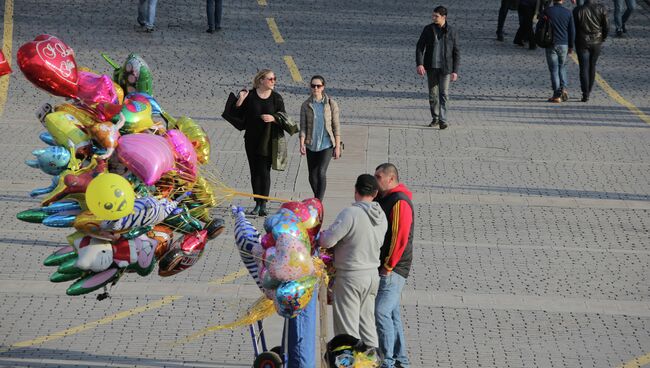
column 4, row 65
column 49, row 63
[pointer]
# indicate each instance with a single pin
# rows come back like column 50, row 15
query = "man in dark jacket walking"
column 591, row 30
column 437, row 56
column 396, row 257
column 557, row 55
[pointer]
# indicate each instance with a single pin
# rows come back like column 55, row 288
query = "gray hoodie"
column 356, row 235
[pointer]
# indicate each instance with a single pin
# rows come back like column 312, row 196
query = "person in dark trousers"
column 526, row 11
column 557, row 55
column 503, row 13
column 395, row 257
column 437, row 55
column 257, row 108
column 619, row 18
column 214, row 10
column 592, row 28
column 320, row 134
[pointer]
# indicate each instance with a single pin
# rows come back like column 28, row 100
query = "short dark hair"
column 366, row 185
column 440, row 10
column 318, row 77
column 388, row 168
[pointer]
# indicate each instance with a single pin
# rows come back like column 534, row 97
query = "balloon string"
column 244, row 194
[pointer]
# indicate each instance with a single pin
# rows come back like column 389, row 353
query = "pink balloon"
column 148, row 156
column 292, row 260
column 186, row 159
column 96, row 88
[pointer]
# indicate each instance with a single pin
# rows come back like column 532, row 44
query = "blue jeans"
column 556, row 58
column 214, row 13
column 147, row 12
column 618, row 6
column 389, row 321
column 438, row 93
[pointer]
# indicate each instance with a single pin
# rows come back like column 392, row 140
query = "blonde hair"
column 257, row 80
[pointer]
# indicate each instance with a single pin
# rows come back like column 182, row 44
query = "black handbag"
column 544, row 32
column 232, row 115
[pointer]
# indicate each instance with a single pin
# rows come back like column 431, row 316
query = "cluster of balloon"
column 124, row 172
column 281, row 261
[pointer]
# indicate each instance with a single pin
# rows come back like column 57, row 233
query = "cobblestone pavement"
column 532, row 234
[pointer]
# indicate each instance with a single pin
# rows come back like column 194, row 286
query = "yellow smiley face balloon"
column 110, row 197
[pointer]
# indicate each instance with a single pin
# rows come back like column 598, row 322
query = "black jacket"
column 591, row 22
column 451, row 54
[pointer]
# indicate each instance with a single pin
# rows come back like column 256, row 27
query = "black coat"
column 591, row 23
column 451, row 54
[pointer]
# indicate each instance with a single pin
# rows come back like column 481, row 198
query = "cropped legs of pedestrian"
column 214, row 10
column 260, row 169
column 438, row 83
column 556, row 57
column 503, row 13
column 317, row 163
column 147, row 14
column 525, row 32
column 621, row 18
column 587, row 58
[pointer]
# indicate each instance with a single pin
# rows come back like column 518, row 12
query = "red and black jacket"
column 397, row 251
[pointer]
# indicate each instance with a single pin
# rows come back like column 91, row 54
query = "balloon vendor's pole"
column 322, row 313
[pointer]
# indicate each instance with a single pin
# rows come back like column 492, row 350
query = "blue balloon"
column 52, row 160
column 40, row 191
column 57, row 207
column 47, row 138
column 61, row 219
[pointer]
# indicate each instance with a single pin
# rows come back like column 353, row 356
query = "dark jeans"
column 525, row 31
column 587, row 59
column 260, row 168
column 438, row 93
column 621, row 18
column 317, row 163
column 214, row 13
column 503, row 13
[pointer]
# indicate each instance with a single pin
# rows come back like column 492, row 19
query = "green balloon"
column 93, row 282
column 35, row 216
column 63, row 277
column 59, row 257
column 69, row 266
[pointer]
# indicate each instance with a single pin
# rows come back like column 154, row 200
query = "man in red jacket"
column 395, row 256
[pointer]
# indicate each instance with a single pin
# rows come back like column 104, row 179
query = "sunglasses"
column 272, row 79
column 316, row 86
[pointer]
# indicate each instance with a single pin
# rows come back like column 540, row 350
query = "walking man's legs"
column 630, row 6
column 434, row 101
column 391, row 335
column 562, row 53
column 593, row 59
column 443, row 82
column 618, row 17
column 583, row 63
column 552, row 61
column 503, row 13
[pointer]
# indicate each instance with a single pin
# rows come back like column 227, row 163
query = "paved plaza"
column 532, row 236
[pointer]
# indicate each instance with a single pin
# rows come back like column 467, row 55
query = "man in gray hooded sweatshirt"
column 357, row 235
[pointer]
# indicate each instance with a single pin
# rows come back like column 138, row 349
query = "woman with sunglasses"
column 257, row 107
column 320, row 134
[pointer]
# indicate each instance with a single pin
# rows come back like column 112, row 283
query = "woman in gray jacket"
column 320, row 134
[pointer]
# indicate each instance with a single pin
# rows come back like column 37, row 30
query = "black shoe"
column 518, row 43
column 443, row 125
column 619, row 33
column 210, row 30
column 149, row 29
column 433, row 123
column 500, row 37
column 255, row 211
column 262, row 212
column 585, row 98
column 623, row 29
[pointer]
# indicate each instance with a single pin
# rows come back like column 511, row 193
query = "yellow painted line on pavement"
column 229, row 278
column 261, row 2
column 293, row 69
column 121, row 315
column 637, row 362
column 274, row 30
column 617, row 96
column 6, row 50
column 87, row 326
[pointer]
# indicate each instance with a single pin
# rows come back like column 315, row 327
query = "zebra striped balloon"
column 146, row 211
column 246, row 237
